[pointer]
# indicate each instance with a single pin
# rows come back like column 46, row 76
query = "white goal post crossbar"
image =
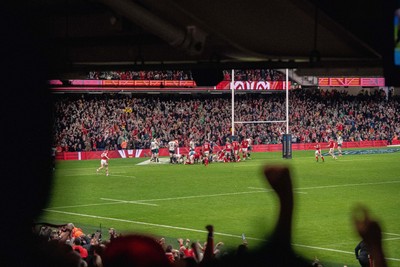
column 232, row 85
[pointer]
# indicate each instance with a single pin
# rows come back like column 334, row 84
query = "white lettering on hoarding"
column 261, row 85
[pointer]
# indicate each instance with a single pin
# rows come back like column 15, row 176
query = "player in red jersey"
column 205, row 161
column 194, row 156
column 228, row 150
column 331, row 145
column 236, row 148
column 198, row 156
column 219, row 156
column 206, row 152
column 104, row 161
column 318, row 152
column 244, row 144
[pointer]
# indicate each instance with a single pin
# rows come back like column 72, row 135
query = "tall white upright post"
column 287, row 101
column 233, row 101
column 287, row 138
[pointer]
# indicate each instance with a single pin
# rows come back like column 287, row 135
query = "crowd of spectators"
column 89, row 123
column 89, row 248
column 140, row 75
column 240, row 75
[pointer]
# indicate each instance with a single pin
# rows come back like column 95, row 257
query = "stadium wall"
column 142, row 153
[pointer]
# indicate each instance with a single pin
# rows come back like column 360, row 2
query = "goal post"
column 286, row 138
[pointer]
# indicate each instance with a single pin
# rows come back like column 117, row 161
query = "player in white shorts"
column 172, row 145
column 104, row 162
column 339, row 144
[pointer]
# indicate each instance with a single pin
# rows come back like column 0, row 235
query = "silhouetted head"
column 134, row 250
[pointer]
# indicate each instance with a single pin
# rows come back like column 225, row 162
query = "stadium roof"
column 179, row 34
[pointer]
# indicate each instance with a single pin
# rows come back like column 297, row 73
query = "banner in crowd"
column 356, row 81
column 143, row 153
column 253, row 85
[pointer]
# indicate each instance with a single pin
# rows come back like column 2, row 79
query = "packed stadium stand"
column 91, row 122
column 140, row 75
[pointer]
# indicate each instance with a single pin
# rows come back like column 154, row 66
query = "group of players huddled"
column 234, row 150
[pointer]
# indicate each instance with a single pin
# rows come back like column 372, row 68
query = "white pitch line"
column 266, row 190
column 326, row 249
column 252, row 192
column 94, row 168
column 333, row 186
column 198, row 196
column 390, row 239
column 143, row 201
column 85, row 205
column 129, row 201
column 259, row 188
column 393, row 259
column 114, row 201
column 335, row 250
column 94, row 173
column 247, row 165
column 344, row 185
column 390, row 233
column 148, row 224
column 112, row 175
column 363, row 159
column 279, row 159
column 193, row 230
column 100, row 174
column 83, row 174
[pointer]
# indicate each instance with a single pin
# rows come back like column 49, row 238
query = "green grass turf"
column 174, row 201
